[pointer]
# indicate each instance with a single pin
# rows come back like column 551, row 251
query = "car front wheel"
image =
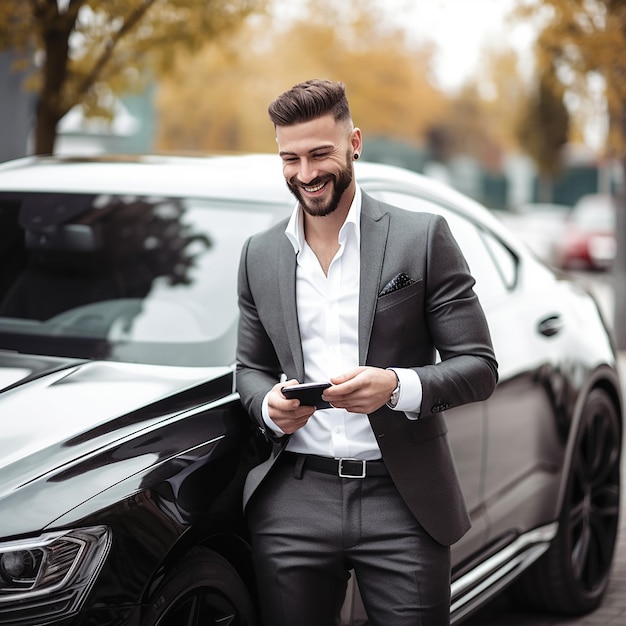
column 571, row 578
column 201, row 590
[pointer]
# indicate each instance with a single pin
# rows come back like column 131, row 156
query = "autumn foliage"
column 217, row 99
column 85, row 51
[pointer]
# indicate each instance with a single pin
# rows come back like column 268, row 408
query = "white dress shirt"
column 328, row 307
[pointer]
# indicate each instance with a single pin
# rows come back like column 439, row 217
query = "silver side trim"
column 497, row 571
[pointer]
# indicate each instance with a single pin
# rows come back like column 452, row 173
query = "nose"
column 307, row 170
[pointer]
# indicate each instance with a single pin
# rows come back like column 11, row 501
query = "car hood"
column 55, row 413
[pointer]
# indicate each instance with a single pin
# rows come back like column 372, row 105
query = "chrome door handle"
column 550, row 325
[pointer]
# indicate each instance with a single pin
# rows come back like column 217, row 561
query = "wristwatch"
column 395, row 394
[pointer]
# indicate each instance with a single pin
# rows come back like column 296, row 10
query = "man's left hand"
column 361, row 390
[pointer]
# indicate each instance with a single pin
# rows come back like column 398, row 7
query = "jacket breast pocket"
column 401, row 295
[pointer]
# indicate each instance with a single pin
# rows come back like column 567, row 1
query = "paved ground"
column 612, row 612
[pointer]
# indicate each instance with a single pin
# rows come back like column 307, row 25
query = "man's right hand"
column 288, row 415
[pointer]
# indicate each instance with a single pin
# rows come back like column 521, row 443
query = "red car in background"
column 588, row 240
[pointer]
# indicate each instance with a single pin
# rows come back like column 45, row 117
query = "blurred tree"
column 481, row 119
column 466, row 124
column 583, row 39
column 87, row 50
column 543, row 130
column 502, row 90
column 387, row 78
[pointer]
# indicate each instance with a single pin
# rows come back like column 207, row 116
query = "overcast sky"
column 461, row 28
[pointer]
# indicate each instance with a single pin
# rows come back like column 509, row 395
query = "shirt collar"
column 295, row 226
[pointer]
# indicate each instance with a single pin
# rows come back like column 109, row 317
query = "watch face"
column 395, row 394
column 394, row 397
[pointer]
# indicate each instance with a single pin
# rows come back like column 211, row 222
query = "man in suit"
column 361, row 294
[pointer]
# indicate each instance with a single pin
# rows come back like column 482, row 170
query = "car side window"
column 505, row 260
column 492, row 264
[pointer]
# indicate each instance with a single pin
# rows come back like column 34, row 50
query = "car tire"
column 572, row 577
column 202, row 589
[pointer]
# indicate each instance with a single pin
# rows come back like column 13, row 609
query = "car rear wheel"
column 571, row 578
column 202, row 589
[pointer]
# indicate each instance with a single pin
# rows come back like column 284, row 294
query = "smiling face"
column 317, row 163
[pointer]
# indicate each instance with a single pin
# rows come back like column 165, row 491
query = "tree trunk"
column 544, row 188
column 56, row 27
column 45, row 128
column 619, row 266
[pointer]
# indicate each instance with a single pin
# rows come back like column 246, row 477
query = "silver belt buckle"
column 341, row 472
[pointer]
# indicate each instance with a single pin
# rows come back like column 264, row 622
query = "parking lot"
column 501, row 611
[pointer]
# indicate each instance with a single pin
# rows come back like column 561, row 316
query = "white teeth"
column 314, row 189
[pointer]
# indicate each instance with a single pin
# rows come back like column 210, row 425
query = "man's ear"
column 356, row 141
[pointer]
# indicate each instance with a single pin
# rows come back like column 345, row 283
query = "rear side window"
column 492, row 264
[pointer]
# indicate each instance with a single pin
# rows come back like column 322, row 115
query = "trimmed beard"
column 319, row 207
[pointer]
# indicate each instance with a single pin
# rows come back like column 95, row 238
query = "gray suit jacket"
column 439, row 311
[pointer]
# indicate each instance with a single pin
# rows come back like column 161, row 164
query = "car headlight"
column 54, row 570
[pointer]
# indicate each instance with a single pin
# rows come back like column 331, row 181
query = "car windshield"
column 137, row 279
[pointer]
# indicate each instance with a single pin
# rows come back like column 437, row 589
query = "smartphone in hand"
column 309, row 394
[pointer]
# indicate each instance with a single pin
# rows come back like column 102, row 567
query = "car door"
column 466, row 424
column 506, row 449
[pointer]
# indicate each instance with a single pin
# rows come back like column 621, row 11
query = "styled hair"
column 309, row 100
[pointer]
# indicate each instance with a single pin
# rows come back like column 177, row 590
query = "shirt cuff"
column 410, row 400
column 265, row 412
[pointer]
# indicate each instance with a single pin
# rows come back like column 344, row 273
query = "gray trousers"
column 309, row 529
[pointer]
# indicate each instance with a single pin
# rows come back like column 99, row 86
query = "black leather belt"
column 344, row 468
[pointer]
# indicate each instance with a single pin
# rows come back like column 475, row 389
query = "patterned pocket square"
column 397, row 282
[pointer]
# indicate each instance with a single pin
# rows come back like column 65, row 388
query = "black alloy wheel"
column 203, row 589
column 572, row 577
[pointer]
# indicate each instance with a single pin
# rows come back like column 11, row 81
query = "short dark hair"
column 309, row 100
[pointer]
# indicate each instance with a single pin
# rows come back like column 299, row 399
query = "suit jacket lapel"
column 374, row 230
column 287, row 304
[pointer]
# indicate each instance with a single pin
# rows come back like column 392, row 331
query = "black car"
column 123, row 444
